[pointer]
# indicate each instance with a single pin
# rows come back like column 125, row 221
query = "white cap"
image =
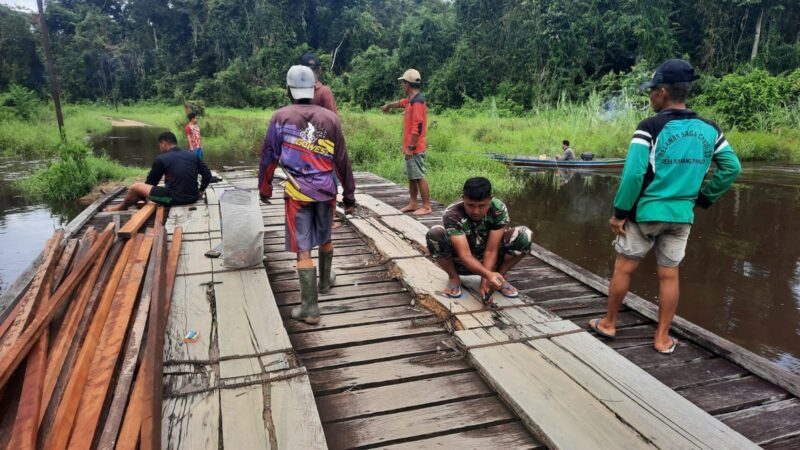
column 300, row 80
column 411, row 76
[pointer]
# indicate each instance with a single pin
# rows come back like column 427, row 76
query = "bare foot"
column 409, row 207
column 424, row 211
column 336, row 225
column 117, row 208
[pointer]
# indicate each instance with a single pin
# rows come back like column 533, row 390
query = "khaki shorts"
column 415, row 167
column 668, row 238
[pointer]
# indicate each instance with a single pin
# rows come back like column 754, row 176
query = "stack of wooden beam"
column 81, row 352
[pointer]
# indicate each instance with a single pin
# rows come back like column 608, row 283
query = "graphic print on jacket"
column 668, row 157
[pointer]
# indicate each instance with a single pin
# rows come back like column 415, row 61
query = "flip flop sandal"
column 453, row 289
column 508, row 286
column 671, row 348
column 593, row 325
column 489, row 301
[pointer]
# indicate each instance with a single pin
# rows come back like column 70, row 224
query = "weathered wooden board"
column 415, row 346
column 728, row 396
column 388, row 243
column 190, row 311
column 697, row 373
column 551, row 404
column 421, row 422
column 510, row 436
column 338, row 292
column 766, row 423
column 380, row 315
column 193, row 258
column 191, row 422
column 192, row 218
column 383, row 399
column 366, row 375
column 356, row 304
column 364, row 334
column 355, row 279
column 247, row 318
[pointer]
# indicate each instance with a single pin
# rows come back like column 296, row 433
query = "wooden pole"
column 51, row 70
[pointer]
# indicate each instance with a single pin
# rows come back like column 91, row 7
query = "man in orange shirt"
column 415, row 128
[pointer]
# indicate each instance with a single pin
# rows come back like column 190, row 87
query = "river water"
column 741, row 275
column 740, row 278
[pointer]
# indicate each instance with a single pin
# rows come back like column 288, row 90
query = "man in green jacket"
column 662, row 183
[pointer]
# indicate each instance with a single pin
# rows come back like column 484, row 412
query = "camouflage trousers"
column 516, row 241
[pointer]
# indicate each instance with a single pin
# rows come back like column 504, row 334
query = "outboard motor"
column 587, row 156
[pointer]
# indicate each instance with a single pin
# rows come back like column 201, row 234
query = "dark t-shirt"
column 180, row 170
column 458, row 223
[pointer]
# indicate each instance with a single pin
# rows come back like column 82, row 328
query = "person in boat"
column 415, row 129
column 568, row 154
column 475, row 238
column 179, row 169
column 307, row 141
column 661, row 185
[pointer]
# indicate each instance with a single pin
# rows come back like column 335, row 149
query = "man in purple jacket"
column 306, row 140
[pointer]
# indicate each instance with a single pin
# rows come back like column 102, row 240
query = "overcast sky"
column 29, row 4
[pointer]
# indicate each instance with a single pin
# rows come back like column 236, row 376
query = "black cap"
column 672, row 71
column 310, row 60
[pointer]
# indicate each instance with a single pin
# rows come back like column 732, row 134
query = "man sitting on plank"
column 179, row 169
column 306, row 141
column 475, row 239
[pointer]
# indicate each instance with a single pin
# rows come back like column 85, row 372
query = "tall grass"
column 459, row 141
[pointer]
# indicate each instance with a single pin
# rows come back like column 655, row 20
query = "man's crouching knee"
column 517, row 240
column 438, row 242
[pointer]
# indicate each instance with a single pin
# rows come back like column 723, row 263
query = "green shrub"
column 21, row 100
column 73, row 174
column 741, row 98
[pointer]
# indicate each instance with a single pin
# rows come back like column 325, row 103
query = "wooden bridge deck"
column 385, row 368
column 373, row 352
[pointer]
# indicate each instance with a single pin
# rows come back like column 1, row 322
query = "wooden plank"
column 423, row 422
column 366, row 375
column 682, row 422
column 12, row 354
column 510, row 436
column 330, row 321
column 190, row 311
column 344, row 292
column 697, row 373
column 293, row 415
column 426, row 281
column 248, row 320
column 767, row 423
column 70, row 332
column 150, row 437
column 389, row 244
column 56, row 380
column 551, row 404
column 404, row 347
column 192, row 422
column 394, row 397
column 356, row 304
column 124, row 377
column 132, row 226
column 646, row 358
column 67, row 409
column 361, row 334
column 757, row 365
column 105, row 358
column 63, row 263
column 193, row 258
column 376, row 206
column 26, row 427
column 137, row 410
column 411, row 229
column 732, row 395
column 356, row 280
column 242, row 424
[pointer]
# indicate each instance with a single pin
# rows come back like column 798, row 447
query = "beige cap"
column 412, row 76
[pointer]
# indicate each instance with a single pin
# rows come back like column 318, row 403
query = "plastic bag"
column 242, row 229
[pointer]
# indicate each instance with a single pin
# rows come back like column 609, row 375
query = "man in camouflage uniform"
column 475, row 239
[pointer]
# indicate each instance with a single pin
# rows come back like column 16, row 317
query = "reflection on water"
column 138, row 146
column 741, row 275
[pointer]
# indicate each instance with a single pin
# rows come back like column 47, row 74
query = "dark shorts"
column 516, row 241
column 169, row 197
column 308, row 224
